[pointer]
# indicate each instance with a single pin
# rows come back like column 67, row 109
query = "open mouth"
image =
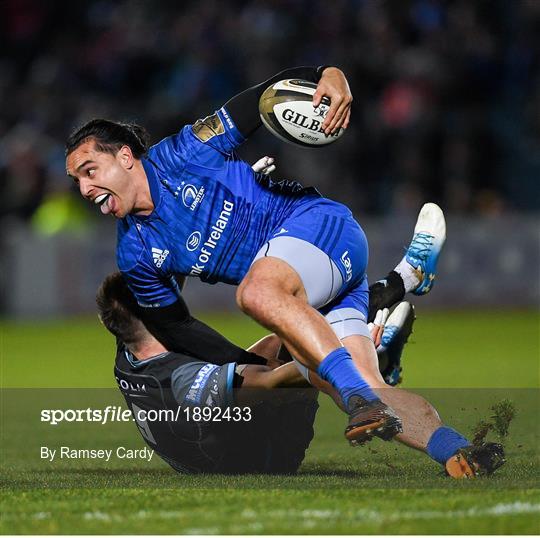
column 104, row 201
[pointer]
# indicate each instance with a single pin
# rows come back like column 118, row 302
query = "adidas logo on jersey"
column 159, row 256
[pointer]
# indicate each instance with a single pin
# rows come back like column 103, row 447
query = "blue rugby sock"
column 444, row 443
column 339, row 370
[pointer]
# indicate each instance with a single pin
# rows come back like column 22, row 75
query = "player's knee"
column 251, row 299
column 260, row 302
column 257, row 290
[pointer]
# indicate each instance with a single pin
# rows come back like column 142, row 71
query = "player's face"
column 103, row 178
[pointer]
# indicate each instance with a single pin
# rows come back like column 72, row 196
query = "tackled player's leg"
column 417, row 270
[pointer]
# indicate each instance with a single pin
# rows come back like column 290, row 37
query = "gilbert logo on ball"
column 287, row 111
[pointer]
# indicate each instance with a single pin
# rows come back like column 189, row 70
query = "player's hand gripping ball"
column 287, row 111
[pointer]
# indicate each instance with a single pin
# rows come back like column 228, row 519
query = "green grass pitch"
column 465, row 362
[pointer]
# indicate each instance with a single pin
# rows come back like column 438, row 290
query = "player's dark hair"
column 118, row 309
column 109, row 136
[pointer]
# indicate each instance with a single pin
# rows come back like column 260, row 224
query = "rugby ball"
column 287, row 111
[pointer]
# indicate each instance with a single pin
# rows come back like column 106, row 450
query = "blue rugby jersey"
column 212, row 212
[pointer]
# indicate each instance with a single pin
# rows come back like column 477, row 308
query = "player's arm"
column 212, row 139
column 244, row 107
column 179, row 331
column 166, row 315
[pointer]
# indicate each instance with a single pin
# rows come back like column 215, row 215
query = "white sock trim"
column 409, row 274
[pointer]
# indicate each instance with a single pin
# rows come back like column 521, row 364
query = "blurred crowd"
column 446, row 93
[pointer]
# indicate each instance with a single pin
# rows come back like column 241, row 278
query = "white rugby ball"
column 287, row 112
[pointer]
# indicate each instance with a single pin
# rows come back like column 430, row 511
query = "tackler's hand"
column 334, row 85
column 265, row 165
column 376, row 328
